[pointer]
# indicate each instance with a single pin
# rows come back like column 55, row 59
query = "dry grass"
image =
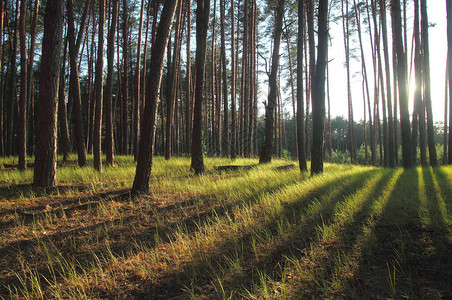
column 354, row 232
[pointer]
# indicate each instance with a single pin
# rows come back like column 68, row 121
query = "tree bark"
column 74, row 90
column 403, row 97
column 109, row 141
column 154, row 79
column 63, row 132
column 22, row 132
column 125, row 79
column 427, row 90
column 267, row 147
column 30, row 96
column 202, row 25
column 233, row 87
column 139, row 97
column 45, row 162
column 318, row 105
column 2, row 144
column 98, row 90
column 225, row 138
column 390, row 129
column 449, row 70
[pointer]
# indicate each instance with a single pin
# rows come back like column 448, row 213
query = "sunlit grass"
column 254, row 233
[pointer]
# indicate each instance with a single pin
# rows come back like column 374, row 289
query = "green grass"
column 353, row 232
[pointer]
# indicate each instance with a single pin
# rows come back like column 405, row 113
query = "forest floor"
column 255, row 233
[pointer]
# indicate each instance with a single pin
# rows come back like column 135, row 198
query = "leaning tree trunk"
column 46, row 130
column 267, row 147
column 146, row 146
column 403, row 97
column 98, row 85
column 318, row 105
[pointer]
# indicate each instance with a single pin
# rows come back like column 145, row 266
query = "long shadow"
column 445, row 186
column 65, row 207
column 147, row 232
column 173, row 283
column 401, row 260
column 439, row 233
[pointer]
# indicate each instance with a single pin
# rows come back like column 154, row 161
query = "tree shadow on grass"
column 407, row 254
column 175, row 215
column 200, row 275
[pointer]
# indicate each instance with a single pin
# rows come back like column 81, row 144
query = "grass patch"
column 259, row 233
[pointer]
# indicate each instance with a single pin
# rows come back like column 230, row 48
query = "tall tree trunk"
column 445, row 118
column 449, row 70
column 310, row 82
column 125, row 79
column 403, row 97
column 318, row 105
column 30, row 96
column 233, row 87
column 419, row 108
column 427, row 93
column 292, row 89
column 63, row 132
column 225, row 138
column 351, row 131
column 139, row 97
column 202, row 25
column 98, row 86
column 267, row 147
column 45, row 162
column 109, row 144
column 2, row 51
column 11, row 95
column 22, row 132
column 172, row 85
column 74, row 89
column 390, row 149
column 367, row 92
column 154, row 80
column 188, row 81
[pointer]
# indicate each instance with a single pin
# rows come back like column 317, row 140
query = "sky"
column 438, row 53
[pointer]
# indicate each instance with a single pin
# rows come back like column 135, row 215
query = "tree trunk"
column 125, row 79
column 154, row 79
column 449, row 70
column 2, row 144
column 318, row 105
column 63, row 132
column 419, row 108
column 172, row 85
column 427, row 93
column 233, row 87
column 30, row 96
column 139, row 97
column 188, row 81
column 390, row 149
column 74, row 89
column 225, row 138
column 403, row 97
column 22, row 132
column 11, row 94
column 109, row 146
column 98, row 92
column 45, row 162
column 267, row 147
column 351, row 131
column 202, row 25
